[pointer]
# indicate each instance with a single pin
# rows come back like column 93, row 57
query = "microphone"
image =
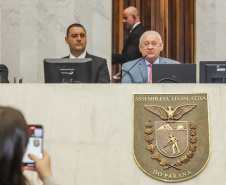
column 134, row 65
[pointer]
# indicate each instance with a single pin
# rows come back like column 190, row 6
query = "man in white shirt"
column 76, row 39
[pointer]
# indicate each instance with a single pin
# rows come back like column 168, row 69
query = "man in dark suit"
column 130, row 50
column 76, row 39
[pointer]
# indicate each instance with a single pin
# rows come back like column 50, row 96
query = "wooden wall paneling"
column 153, row 15
column 126, row 3
column 132, row 3
column 150, row 9
column 178, row 29
column 137, row 5
column 157, row 16
column 121, row 32
column 117, row 32
column 181, row 31
column 114, row 37
column 173, row 30
column 192, row 12
column 168, row 14
column 162, row 25
column 115, row 27
column 165, row 27
column 143, row 12
column 147, row 22
column 187, row 45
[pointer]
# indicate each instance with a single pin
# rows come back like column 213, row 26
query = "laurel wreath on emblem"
column 163, row 162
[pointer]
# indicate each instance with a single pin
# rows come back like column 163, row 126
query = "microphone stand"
column 134, row 65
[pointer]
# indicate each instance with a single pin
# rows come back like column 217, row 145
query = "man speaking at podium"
column 76, row 39
column 150, row 47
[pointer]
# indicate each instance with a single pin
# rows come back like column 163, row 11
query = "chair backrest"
column 4, row 74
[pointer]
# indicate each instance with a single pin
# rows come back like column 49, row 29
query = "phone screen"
column 34, row 145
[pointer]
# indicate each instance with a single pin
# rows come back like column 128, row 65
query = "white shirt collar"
column 155, row 62
column 83, row 55
column 134, row 26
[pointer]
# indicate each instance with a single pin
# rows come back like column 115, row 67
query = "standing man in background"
column 130, row 50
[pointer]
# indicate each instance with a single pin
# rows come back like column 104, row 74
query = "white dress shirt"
column 83, row 55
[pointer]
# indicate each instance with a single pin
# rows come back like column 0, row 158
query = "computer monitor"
column 212, row 71
column 68, row 70
column 174, row 73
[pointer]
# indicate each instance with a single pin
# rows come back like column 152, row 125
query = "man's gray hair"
column 151, row 32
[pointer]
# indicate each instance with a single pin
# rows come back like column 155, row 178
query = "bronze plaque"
column 171, row 138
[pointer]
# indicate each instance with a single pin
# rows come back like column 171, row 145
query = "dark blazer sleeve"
column 100, row 73
column 131, row 49
column 103, row 73
column 130, row 52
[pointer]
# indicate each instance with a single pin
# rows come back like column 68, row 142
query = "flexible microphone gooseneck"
column 134, row 65
column 167, row 79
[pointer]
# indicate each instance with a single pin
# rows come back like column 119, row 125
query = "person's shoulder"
column 139, row 29
column 94, row 57
column 130, row 63
column 168, row 61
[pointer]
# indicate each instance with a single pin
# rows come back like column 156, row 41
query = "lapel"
column 88, row 55
column 139, row 25
column 143, row 70
column 94, row 67
column 126, row 41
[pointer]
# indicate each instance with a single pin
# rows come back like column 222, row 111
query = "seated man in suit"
column 76, row 39
column 150, row 46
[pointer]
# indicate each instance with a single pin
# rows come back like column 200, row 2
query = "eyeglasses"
column 146, row 44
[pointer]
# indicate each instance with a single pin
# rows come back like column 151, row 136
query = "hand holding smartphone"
column 35, row 144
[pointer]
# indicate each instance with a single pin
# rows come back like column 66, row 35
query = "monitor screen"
column 212, row 71
column 68, row 70
column 174, row 73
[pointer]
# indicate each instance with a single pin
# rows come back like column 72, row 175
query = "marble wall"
column 32, row 30
column 88, row 130
column 210, row 34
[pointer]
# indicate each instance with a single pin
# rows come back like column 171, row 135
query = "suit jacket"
column 131, row 49
column 139, row 74
column 100, row 73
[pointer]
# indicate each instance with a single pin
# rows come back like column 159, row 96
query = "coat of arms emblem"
column 171, row 135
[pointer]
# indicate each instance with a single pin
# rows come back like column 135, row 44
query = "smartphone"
column 35, row 144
